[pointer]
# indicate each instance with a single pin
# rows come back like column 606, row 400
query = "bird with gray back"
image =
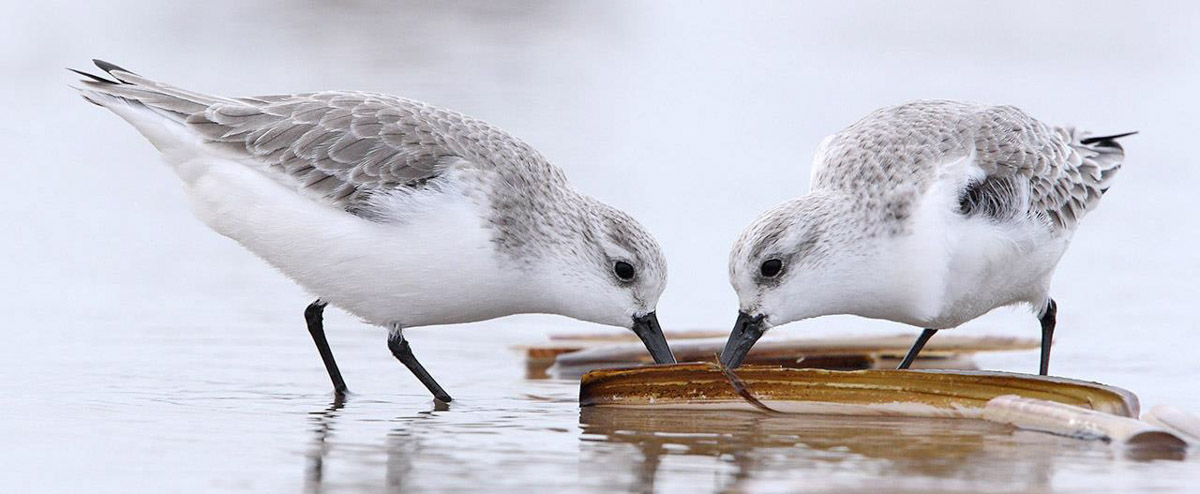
column 931, row 214
column 402, row 213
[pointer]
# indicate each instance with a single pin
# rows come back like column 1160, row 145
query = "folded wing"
column 335, row 146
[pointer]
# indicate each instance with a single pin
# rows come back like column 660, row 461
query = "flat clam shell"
column 1181, row 422
column 925, row 393
column 1074, row 421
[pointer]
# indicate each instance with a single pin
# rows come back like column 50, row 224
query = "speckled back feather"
column 338, row 145
column 1028, row 168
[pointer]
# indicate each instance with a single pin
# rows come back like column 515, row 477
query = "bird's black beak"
column 747, row 330
column 647, row 328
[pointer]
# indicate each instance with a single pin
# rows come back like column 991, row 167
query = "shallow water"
column 200, row 419
column 143, row 352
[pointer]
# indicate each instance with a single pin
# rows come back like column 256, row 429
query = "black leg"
column 916, row 348
column 1049, row 319
column 313, row 316
column 403, row 352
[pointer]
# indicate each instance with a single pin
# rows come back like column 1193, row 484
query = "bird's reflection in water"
column 323, row 427
column 401, row 446
column 782, row 447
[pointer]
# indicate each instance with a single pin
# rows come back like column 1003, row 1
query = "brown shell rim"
column 704, row 382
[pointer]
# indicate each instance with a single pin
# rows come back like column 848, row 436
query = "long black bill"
column 647, row 328
column 746, row 331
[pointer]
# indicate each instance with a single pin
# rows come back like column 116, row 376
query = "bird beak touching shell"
column 647, row 328
column 746, row 331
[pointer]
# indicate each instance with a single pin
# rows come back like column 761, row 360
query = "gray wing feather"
column 1029, row 168
column 339, row 146
column 1037, row 170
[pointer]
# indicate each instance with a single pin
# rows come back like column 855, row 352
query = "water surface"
column 143, row 352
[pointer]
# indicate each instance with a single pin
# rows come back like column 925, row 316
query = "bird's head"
column 611, row 271
column 802, row 259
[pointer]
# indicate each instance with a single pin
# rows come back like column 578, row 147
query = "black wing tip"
column 93, row 77
column 1103, row 139
column 110, row 67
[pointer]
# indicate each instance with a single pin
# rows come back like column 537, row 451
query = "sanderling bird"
column 931, row 214
column 399, row 212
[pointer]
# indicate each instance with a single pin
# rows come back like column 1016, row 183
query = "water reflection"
column 608, row 91
column 1152, row 453
column 323, row 427
column 759, row 447
column 401, row 449
column 508, row 442
column 402, row 446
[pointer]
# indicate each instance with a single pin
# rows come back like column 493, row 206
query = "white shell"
column 1072, row 421
column 1181, row 422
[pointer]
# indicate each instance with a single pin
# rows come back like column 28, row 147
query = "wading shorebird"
column 398, row 212
column 931, row 213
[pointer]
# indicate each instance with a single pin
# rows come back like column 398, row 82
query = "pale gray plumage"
column 1032, row 169
column 338, row 145
column 889, row 159
column 930, row 213
column 346, row 147
column 399, row 212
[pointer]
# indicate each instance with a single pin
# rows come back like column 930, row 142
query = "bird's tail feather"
column 168, row 101
column 1102, row 156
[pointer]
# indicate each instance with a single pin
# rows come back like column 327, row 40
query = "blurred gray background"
column 692, row 116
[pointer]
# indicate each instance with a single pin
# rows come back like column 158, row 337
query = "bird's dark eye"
column 771, row 268
column 623, row 270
